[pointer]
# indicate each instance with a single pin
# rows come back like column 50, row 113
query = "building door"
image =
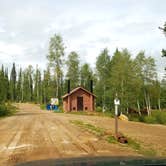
column 79, row 103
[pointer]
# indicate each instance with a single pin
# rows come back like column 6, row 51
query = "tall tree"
column 148, row 75
column 37, row 86
column 19, row 87
column 47, row 86
column 123, row 79
column 13, row 83
column 103, row 73
column 73, row 69
column 86, row 75
column 55, row 58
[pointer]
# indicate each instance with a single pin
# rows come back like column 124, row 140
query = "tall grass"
column 6, row 109
column 156, row 117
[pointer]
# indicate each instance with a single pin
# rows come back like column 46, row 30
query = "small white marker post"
column 116, row 102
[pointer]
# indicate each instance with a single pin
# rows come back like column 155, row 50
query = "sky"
column 86, row 26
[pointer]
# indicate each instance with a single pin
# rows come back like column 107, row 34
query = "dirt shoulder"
column 34, row 134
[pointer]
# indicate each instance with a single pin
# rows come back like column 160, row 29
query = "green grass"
column 156, row 117
column 133, row 144
column 101, row 114
column 7, row 109
column 91, row 128
column 111, row 138
column 43, row 106
column 149, row 152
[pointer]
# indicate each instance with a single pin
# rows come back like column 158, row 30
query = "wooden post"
column 116, row 102
column 116, row 120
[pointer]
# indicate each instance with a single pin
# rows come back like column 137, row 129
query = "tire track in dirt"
column 12, row 142
column 70, row 136
column 59, row 138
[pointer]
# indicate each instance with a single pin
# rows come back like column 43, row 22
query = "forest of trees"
column 135, row 80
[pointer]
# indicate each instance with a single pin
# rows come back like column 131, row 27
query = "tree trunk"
column 159, row 106
column 138, row 105
column 146, row 102
column 57, row 82
column 149, row 105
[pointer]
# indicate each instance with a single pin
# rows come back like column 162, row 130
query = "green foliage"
column 86, row 75
column 91, row 128
column 13, row 83
column 99, row 109
column 6, row 109
column 112, row 139
column 73, row 69
column 43, row 106
column 156, row 117
column 55, row 58
column 132, row 143
column 100, row 132
column 133, row 79
column 103, row 76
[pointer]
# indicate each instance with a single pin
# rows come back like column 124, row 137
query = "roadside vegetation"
column 156, row 117
column 6, row 109
column 110, row 137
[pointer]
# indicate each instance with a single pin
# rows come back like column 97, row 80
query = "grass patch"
column 140, row 149
column 89, row 113
column 111, row 138
column 133, row 144
column 7, row 109
column 43, row 106
column 156, row 117
column 91, row 128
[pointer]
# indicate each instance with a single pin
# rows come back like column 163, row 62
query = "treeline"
column 134, row 80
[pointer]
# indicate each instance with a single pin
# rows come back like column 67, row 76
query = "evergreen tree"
column 86, row 75
column 13, row 83
column 37, row 86
column 19, row 87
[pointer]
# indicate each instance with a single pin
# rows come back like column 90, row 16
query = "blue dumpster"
column 48, row 107
column 55, row 108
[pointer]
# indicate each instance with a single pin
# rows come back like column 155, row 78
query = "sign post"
column 116, row 103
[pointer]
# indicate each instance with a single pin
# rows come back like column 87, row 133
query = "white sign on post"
column 54, row 101
column 116, row 102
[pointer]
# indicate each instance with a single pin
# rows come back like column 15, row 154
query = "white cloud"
column 11, row 49
column 86, row 27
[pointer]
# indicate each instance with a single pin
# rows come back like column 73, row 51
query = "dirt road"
column 34, row 134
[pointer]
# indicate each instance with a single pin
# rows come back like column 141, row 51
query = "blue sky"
column 86, row 27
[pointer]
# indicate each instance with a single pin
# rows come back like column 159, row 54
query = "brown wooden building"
column 79, row 99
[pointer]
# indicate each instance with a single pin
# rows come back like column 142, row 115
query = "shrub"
column 160, row 116
column 99, row 109
column 43, row 106
column 6, row 109
column 150, row 119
